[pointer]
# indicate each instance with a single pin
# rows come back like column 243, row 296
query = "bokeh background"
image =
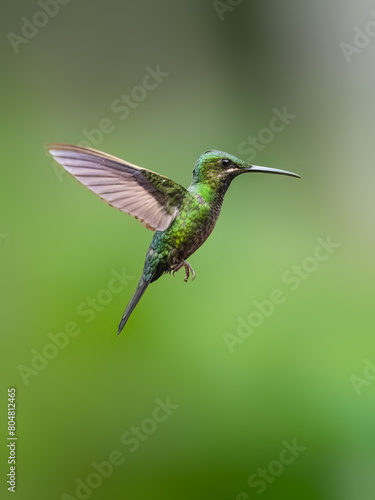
column 305, row 375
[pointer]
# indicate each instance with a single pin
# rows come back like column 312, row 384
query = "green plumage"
column 182, row 218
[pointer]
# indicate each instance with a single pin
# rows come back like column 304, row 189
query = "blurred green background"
column 302, row 376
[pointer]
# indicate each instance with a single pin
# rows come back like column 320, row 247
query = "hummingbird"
column 181, row 218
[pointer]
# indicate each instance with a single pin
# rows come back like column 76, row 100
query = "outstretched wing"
column 149, row 197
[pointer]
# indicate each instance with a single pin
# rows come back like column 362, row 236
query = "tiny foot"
column 188, row 269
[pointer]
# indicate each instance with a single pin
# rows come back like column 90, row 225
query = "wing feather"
column 149, row 197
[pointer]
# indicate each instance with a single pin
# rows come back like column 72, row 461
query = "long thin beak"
column 255, row 168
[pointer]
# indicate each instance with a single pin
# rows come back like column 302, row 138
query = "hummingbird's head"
column 218, row 169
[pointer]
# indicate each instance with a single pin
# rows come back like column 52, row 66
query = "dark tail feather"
column 141, row 288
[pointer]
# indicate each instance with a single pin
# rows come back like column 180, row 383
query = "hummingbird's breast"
column 192, row 226
column 198, row 226
column 189, row 230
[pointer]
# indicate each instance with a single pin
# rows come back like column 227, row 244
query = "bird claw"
column 188, row 269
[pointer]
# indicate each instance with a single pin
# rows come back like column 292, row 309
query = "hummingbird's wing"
column 149, row 197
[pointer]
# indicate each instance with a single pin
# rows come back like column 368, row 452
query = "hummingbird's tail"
column 140, row 290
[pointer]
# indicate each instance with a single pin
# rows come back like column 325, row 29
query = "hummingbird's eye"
column 226, row 163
